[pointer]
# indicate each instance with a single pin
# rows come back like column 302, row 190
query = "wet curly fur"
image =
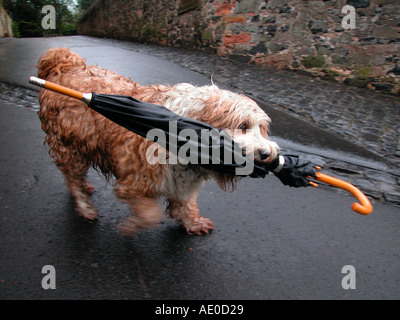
column 79, row 137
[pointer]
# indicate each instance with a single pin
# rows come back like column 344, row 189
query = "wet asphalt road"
column 269, row 242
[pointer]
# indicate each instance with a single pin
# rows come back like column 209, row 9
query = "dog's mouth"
column 260, row 151
column 263, row 156
column 263, row 163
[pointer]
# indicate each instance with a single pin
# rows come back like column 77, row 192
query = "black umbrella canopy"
column 196, row 141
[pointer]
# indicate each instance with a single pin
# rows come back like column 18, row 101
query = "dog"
column 80, row 138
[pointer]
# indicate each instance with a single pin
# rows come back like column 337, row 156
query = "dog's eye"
column 243, row 126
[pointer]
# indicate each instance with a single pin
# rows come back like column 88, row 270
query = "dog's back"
column 69, row 123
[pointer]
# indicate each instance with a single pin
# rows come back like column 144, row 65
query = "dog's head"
column 239, row 116
column 248, row 125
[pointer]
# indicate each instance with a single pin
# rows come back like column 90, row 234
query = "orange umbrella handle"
column 86, row 97
column 364, row 208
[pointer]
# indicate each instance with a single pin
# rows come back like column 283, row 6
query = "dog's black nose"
column 263, row 155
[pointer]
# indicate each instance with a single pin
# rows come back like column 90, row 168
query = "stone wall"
column 5, row 23
column 304, row 35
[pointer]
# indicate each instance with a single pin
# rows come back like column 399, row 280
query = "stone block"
column 276, row 3
column 318, row 26
column 285, row 28
column 278, row 61
column 271, row 30
column 240, row 58
column 383, row 2
column 356, row 82
column 270, row 19
column 304, row 51
column 259, row 48
column 394, row 71
column 360, row 58
column 323, row 49
column 234, row 19
column 345, row 38
column 313, row 61
column 224, row 9
column 359, row 3
column 274, row 47
column 248, row 6
column 285, row 9
column 385, row 32
column 229, row 40
column 188, row 5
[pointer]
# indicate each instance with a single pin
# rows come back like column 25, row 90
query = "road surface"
column 269, row 242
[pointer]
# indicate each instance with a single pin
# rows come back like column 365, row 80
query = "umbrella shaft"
column 86, row 97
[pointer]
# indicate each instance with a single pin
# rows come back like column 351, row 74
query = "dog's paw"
column 90, row 216
column 89, row 188
column 134, row 224
column 199, row 226
column 87, row 211
column 128, row 229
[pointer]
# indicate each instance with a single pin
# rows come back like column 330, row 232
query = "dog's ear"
column 227, row 182
column 57, row 61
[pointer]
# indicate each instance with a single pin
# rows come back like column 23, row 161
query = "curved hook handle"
column 364, row 208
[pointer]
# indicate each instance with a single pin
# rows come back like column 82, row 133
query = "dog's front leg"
column 146, row 213
column 188, row 213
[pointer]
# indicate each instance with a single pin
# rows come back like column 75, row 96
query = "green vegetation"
column 27, row 16
column 313, row 61
column 364, row 72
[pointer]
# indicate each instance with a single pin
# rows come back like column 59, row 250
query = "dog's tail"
column 56, row 61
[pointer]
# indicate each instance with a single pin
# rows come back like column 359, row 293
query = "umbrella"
column 209, row 148
column 210, row 152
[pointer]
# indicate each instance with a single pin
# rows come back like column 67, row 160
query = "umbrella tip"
column 37, row 81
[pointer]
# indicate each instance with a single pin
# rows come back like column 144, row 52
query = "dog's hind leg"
column 75, row 168
column 78, row 189
column 188, row 214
